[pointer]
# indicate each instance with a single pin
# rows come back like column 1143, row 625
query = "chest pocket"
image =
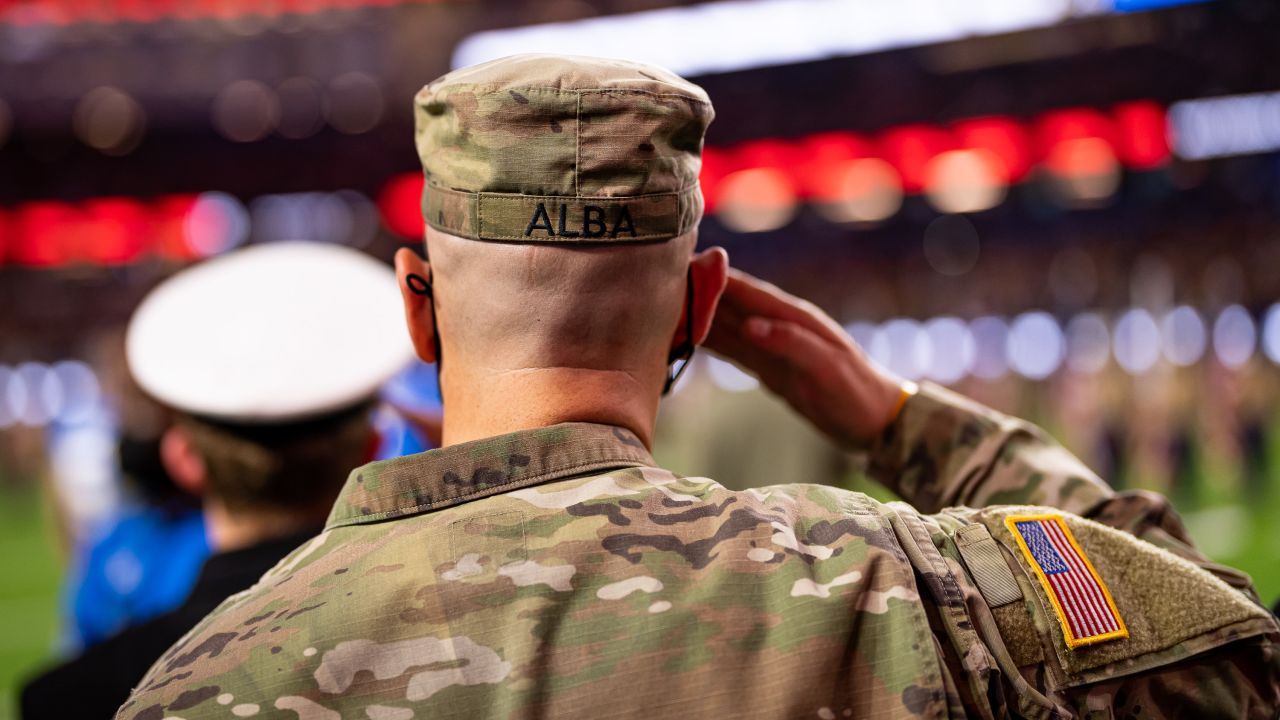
column 1105, row 604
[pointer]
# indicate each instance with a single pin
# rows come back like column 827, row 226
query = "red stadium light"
column 1081, row 157
column 756, row 199
column 1004, row 138
column 716, row 164
column 863, row 190
column 768, row 153
column 116, row 232
column 400, row 204
column 44, row 233
column 6, row 237
column 168, row 227
column 1084, row 171
column 1142, row 131
column 910, row 148
column 138, row 10
column 824, row 162
column 1059, row 126
column 759, row 192
column 965, row 180
column 753, row 187
column 103, row 231
column 834, row 147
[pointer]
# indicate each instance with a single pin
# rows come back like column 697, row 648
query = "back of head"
column 507, row 307
column 562, row 202
column 298, row 464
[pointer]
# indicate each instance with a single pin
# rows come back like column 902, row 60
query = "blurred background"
column 1068, row 209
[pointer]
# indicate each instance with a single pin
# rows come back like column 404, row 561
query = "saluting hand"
column 805, row 357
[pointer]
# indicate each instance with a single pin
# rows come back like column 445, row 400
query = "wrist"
column 891, row 395
column 882, row 397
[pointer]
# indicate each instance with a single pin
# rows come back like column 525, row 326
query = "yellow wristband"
column 908, row 389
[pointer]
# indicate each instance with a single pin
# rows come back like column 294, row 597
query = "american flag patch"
column 1081, row 599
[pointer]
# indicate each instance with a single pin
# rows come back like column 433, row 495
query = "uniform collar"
column 453, row 475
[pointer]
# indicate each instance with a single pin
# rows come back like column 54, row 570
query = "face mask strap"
column 419, row 285
column 682, row 353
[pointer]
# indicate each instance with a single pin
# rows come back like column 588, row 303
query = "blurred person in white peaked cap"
column 271, row 358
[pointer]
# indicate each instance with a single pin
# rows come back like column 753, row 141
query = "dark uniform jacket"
column 96, row 683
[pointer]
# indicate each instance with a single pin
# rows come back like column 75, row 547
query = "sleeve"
column 944, row 450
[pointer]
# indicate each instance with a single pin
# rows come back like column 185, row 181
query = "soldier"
column 237, row 347
column 540, row 564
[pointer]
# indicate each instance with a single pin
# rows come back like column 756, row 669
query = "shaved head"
column 537, row 334
column 591, row 307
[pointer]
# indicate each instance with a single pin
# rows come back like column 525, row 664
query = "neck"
column 229, row 530
column 504, row 402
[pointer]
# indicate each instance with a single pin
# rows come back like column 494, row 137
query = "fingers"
column 793, row 343
column 747, row 295
column 728, row 335
column 805, row 357
column 744, row 353
column 759, row 297
column 776, row 351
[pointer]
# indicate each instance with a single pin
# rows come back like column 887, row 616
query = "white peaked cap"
column 270, row 334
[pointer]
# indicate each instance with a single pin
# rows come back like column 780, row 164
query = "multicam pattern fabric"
column 559, row 573
column 540, row 148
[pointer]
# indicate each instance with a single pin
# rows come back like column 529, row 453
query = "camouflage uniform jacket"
column 559, row 573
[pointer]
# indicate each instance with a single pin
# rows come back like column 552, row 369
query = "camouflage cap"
column 552, row 148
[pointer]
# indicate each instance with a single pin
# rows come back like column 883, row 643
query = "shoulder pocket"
column 1111, row 604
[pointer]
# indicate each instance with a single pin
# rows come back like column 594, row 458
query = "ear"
column 181, row 460
column 417, row 308
column 710, row 272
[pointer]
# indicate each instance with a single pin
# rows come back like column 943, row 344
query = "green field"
column 30, row 570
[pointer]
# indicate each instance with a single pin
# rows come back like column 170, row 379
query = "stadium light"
column 733, row 35
column 1224, row 126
